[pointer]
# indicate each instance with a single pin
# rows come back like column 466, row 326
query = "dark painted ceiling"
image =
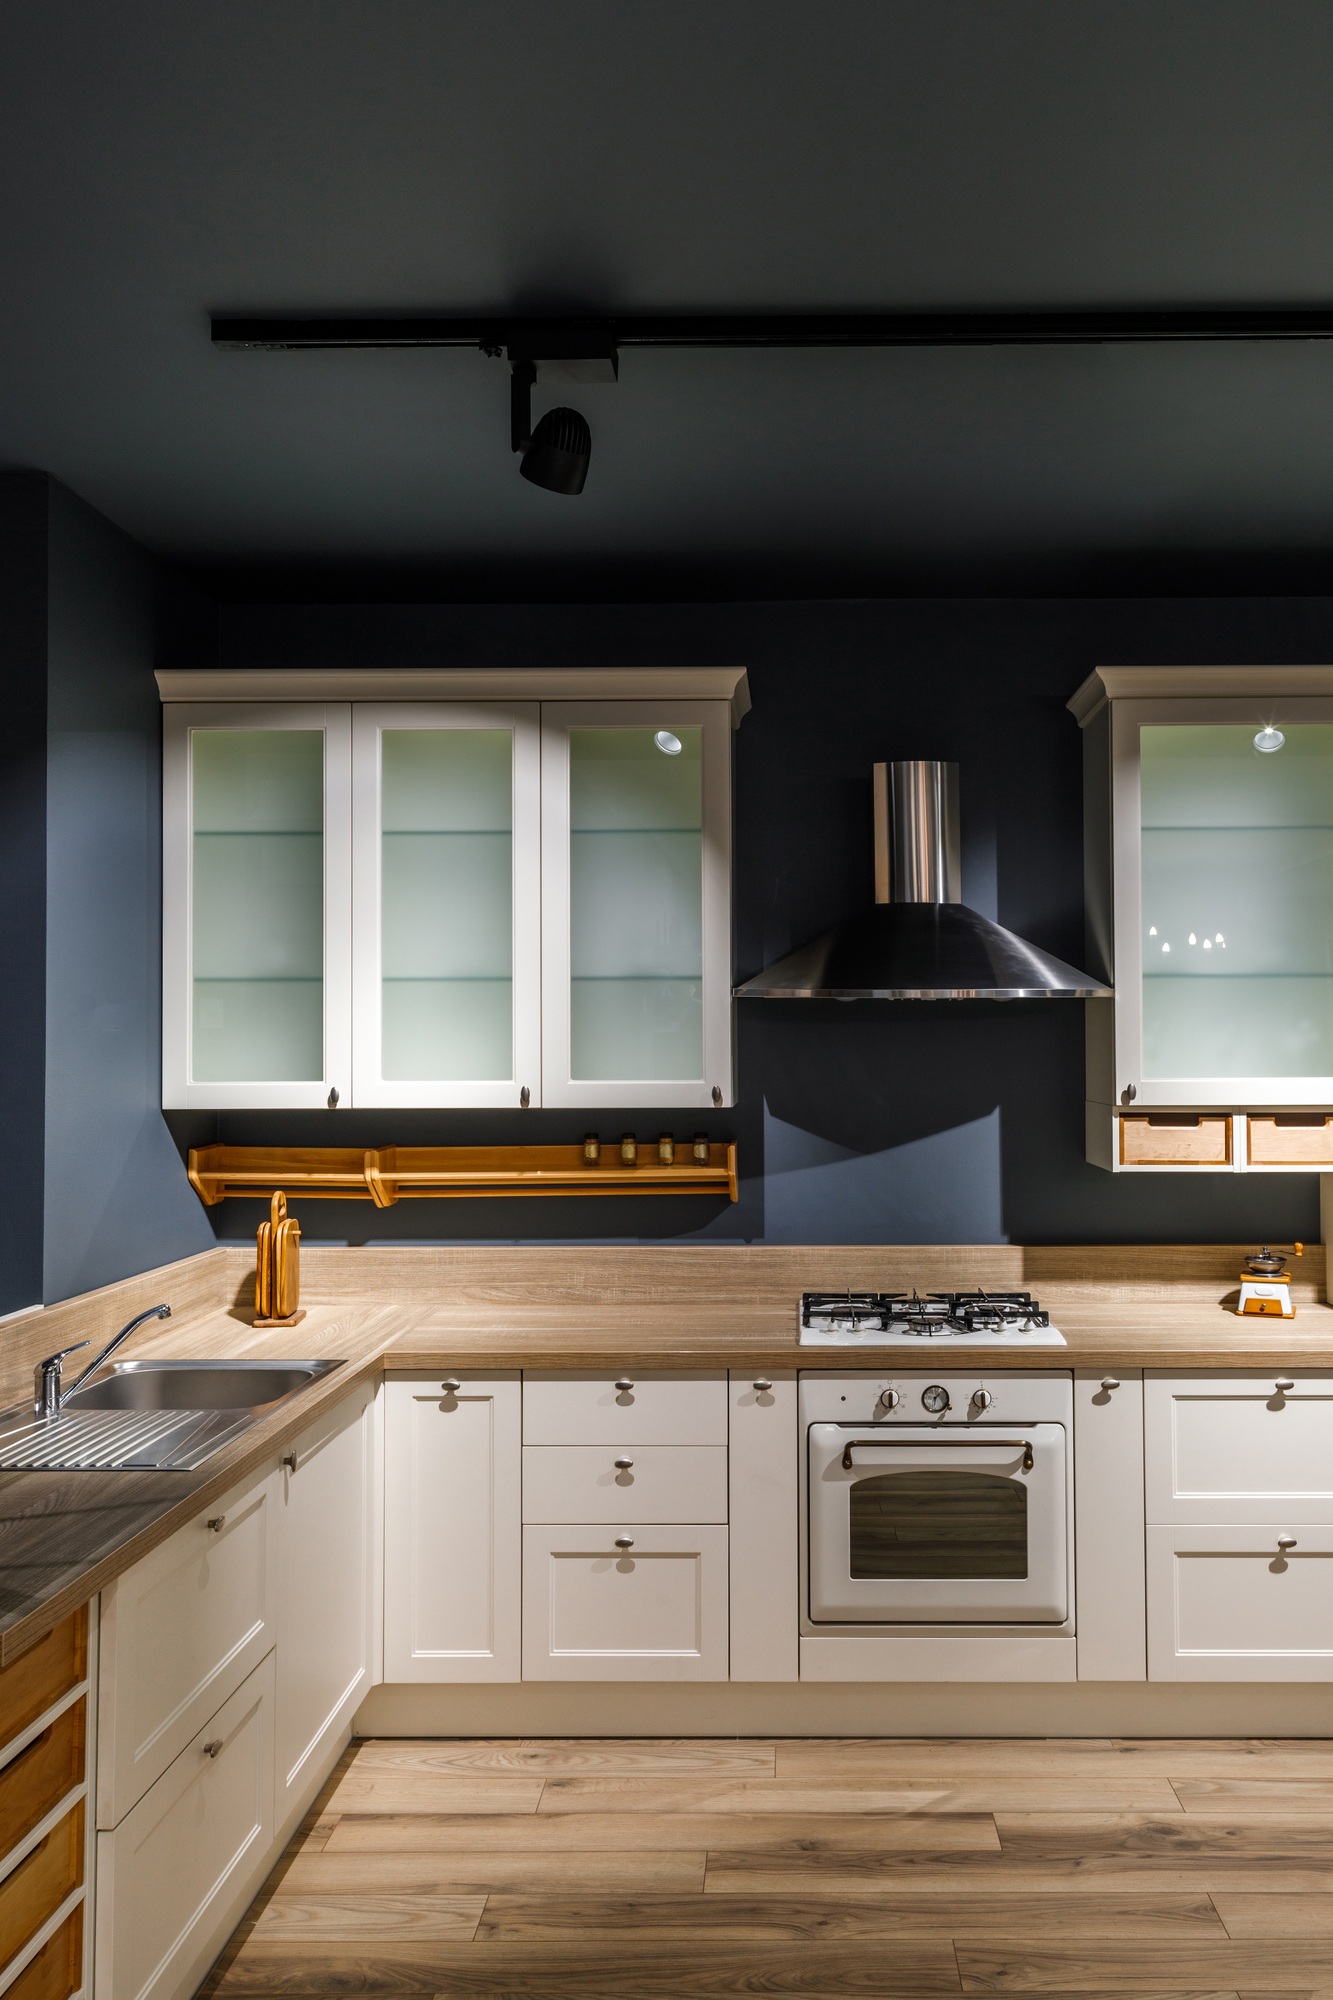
column 162, row 159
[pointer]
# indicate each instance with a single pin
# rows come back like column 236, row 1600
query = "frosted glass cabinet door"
column 1225, row 952
column 636, row 920
column 256, row 906
column 446, row 884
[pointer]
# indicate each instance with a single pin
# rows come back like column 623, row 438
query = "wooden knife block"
column 278, row 1267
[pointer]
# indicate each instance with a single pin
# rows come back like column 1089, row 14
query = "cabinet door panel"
column 324, row 1520
column 1108, row 1525
column 1237, row 1448
column 175, row 1875
column 447, row 861
column 452, row 1526
column 624, row 1409
column 602, row 1482
column 179, row 1631
column 636, row 896
column 1235, row 1604
column 655, row 1610
column 764, row 1528
column 256, row 914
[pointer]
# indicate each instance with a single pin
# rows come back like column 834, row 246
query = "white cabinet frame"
column 180, row 1092
column 369, row 721
column 715, row 1086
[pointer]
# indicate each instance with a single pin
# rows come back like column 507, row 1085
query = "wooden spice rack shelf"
column 434, row 1173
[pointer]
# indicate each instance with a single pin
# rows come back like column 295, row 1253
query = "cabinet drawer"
column 39, row 1777
column 1173, row 1139
column 1230, row 1604
column 179, row 1869
column 39, row 1885
column 57, row 1969
column 654, row 1611
column 1290, row 1139
column 179, row 1631
column 1238, row 1447
column 650, row 1409
column 658, row 1482
column 38, row 1678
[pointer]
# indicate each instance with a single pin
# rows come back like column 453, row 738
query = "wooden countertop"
column 64, row 1536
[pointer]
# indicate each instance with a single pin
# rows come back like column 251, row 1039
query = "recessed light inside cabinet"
column 1166, row 947
column 1152, row 930
column 669, row 745
column 1269, row 739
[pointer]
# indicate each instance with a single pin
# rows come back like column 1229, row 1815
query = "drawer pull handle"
column 624, row 1464
column 289, row 1460
column 624, row 1385
column 762, row 1387
column 624, row 1541
column 451, row 1387
column 1283, row 1383
column 216, row 1523
column 1286, row 1541
column 212, row 1749
column 1110, row 1382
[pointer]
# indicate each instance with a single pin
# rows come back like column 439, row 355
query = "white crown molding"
column 1171, row 683
column 460, row 684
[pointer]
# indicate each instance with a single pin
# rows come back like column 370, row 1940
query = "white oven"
column 937, row 1500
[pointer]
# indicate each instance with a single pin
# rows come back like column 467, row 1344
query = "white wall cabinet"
column 1209, row 861
column 327, row 1524
column 452, row 1527
column 455, row 902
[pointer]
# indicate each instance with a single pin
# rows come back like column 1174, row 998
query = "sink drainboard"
column 121, row 1440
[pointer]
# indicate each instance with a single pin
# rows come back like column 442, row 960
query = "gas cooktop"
column 893, row 1319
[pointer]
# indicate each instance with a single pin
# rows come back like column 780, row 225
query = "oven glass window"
column 947, row 1524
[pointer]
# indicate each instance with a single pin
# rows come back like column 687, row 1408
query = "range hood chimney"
column 919, row 941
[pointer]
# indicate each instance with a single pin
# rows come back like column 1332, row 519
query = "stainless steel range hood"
column 919, row 941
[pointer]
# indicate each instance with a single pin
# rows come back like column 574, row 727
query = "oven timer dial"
column 982, row 1400
column 889, row 1399
column 935, row 1398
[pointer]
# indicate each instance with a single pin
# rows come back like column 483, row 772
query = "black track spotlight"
column 558, row 455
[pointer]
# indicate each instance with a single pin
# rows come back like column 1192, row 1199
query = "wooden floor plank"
column 1276, row 1915
column 609, row 1758
column 638, row 1871
column 366, row 1789
column 418, row 1917
column 1020, row 1965
column 819, row 1971
column 1267, row 1794
column 1180, row 1840
column 643, row 1794
column 969, row 1760
column 546, row 1832
column 819, row 1868
column 514, row 1918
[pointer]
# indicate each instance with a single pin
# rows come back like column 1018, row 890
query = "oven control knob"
column 935, row 1398
column 982, row 1399
column 889, row 1399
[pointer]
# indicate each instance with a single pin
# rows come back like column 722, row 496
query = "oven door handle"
column 917, row 1444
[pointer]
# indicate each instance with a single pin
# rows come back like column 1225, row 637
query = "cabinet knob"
column 717, row 1095
column 762, row 1387
column 624, row 1541
column 1129, row 1093
column 212, row 1749
column 1110, row 1381
column 333, row 1100
column 1283, row 1383
column 525, row 1097
column 1286, row 1541
column 452, row 1386
column 289, row 1460
column 216, row 1523
column 624, row 1464
column 624, row 1385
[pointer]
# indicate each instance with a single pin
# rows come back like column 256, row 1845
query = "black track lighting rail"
column 496, row 333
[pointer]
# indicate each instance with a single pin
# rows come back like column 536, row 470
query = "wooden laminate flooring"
column 649, row 1870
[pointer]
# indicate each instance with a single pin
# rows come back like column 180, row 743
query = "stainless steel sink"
column 154, row 1415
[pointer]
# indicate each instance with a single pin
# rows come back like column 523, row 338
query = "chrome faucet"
column 49, row 1392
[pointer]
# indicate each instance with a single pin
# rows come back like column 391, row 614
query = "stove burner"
column 937, row 1316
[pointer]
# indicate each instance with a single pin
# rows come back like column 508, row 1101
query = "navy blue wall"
column 855, row 1123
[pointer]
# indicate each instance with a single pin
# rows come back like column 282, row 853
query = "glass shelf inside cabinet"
column 257, row 905
column 447, row 905
column 1237, row 907
column 636, row 904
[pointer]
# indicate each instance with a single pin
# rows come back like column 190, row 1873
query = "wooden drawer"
column 1175, row 1139
column 179, row 1631
column 39, row 1777
column 35, row 1889
column 656, row 1611
column 57, row 1969
column 175, row 1875
column 37, row 1679
column 1290, row 1139
column 1229, row 1604
column 1238, row 1447
column 580, row 1408
column 662, row 1482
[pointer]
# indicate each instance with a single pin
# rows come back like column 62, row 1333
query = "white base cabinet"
column 1240, row 1604
column 176, row 1874
column 649, row 1604
column 327, row 1517
column 452, row 1528
column 764, row 1568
